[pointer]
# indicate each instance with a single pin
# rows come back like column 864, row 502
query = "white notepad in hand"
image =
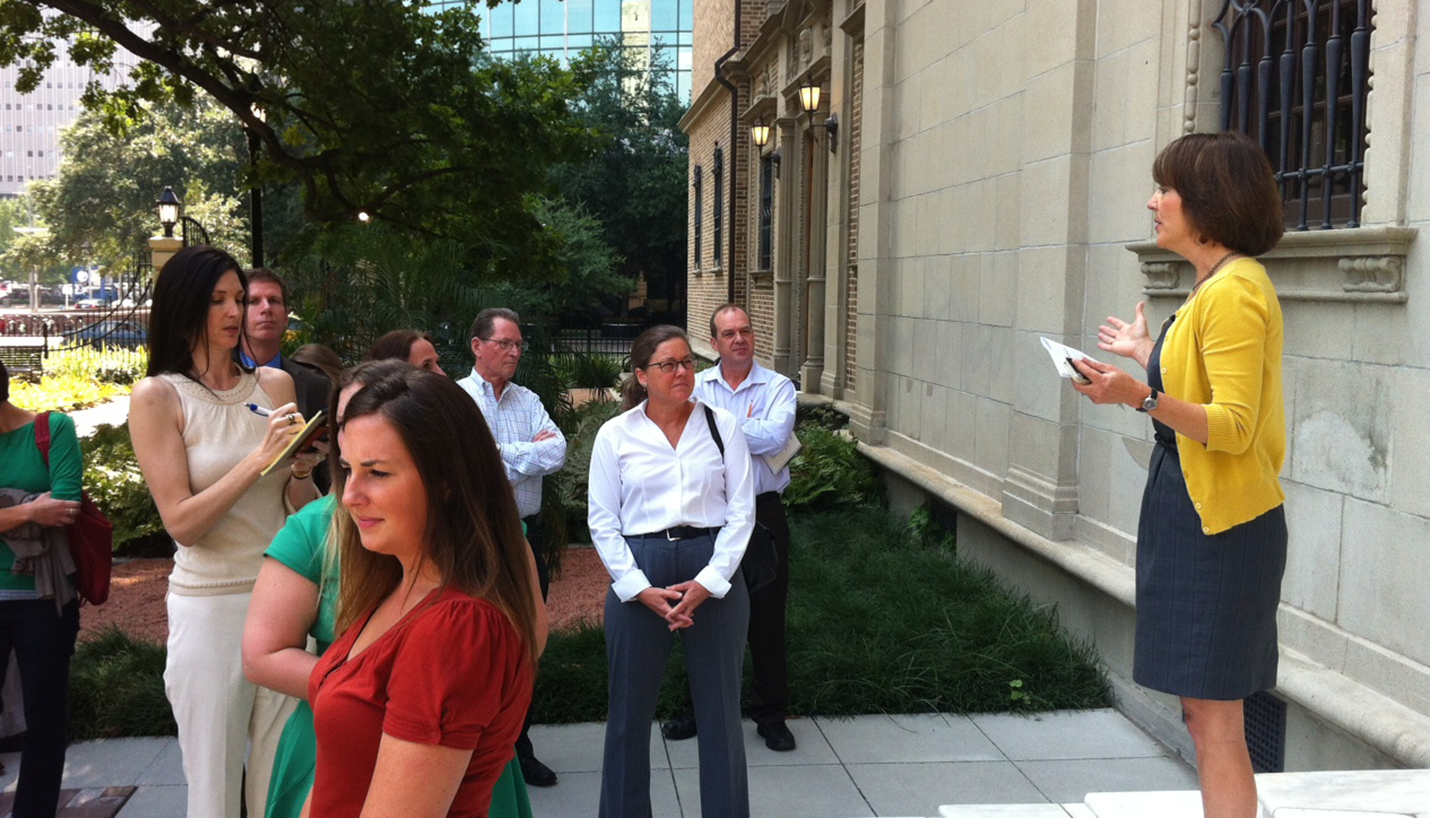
column 1063, row 356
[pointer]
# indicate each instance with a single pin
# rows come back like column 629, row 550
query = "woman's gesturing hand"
column 47, row 511
column 1128, row 340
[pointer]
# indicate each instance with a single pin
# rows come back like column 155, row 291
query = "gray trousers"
column 638, row 643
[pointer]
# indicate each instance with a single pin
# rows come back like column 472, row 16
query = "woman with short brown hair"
column 1211, row 539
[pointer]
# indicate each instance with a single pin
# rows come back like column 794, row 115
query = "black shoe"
column 679, row 728
column 536, row 773
column 777, row 736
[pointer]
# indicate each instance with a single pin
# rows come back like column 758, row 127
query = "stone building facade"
column 974, row 177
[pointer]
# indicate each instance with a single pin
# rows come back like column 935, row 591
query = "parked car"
column 127, row 334
column 89, row 304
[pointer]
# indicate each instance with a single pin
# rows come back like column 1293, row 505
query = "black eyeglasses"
column 506, row 346
column 669, row 366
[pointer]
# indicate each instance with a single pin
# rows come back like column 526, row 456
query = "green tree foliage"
column 100, row 205
column 386, row 108
column 586, row 269
column 636, row 183
column 358, row 282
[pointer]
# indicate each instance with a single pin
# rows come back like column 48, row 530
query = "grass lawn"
column 878, row 623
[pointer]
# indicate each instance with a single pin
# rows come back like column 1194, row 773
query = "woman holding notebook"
column 204, row 429
column 1211, row 540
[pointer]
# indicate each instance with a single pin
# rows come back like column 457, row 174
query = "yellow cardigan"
column 1223, row 351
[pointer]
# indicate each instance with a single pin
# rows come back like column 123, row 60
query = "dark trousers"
column 536, row 537
column 769, row 670
column 769, row 688
column 638, row 642
column 43, row 640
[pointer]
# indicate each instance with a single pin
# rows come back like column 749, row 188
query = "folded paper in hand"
column 781, row 458
column 1060, row 355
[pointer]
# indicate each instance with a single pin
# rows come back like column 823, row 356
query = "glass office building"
column 563, row 28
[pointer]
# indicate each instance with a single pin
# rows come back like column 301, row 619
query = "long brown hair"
column 473, row 534
column 633, row 391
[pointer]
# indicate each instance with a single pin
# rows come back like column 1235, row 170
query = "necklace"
column 1224, row 259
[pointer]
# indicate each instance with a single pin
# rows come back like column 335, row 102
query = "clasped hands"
column 676, row 603
column 1110, row 384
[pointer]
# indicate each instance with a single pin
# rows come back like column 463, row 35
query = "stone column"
column 161, row 249
column 1040, row 486
column 870, row 401
column 817, row 201
column 786, row 129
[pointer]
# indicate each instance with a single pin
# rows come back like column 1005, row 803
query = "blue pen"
column 258, row 410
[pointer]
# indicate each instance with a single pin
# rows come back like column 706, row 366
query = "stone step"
column 1335, row 794
column 1015, row 811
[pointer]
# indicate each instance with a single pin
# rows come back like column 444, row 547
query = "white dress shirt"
column 764, row 405
column 640, row 484
column 515, row 421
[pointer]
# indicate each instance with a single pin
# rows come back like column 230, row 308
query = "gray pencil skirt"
column 1206, row 605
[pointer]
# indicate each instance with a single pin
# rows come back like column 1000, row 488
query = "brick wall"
column 708, row 284
column 856, row 144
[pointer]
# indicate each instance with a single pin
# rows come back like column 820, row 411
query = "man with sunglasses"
column 531, row 447
column 764, row 403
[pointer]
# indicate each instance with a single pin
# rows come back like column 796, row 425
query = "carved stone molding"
column 1194, row 59
column 1357, row 265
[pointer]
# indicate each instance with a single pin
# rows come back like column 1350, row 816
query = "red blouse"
column 452, row 672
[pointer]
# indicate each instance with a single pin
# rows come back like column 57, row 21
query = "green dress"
column 300, row 546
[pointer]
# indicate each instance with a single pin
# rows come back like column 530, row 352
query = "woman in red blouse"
column 418, row 703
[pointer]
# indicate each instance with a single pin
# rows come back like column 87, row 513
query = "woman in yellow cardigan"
column 1211, row 539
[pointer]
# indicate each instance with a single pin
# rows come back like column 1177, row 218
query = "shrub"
column 586, row 370
column 113, row 479
column 117, row 689
column 63, row 392
column 569, row 487
column 828, row 471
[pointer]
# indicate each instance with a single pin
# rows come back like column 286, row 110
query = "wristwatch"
column 1150, row 402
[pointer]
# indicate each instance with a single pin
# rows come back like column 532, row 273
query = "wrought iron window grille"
column 1295, row 77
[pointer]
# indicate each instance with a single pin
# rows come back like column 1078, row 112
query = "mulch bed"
column 136, row 597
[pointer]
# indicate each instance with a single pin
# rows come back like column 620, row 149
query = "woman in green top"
column 296, row 597
column 41, row 630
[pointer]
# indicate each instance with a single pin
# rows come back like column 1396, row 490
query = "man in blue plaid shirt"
column 531, row 447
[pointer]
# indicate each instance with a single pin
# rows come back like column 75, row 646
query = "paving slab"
column 1071, row 781
column 1002, row 811
column 577, row 748
column 167, row 768
column 920, row 789
column 1068, row 735
column 809, row 791
column 1396, row 792
column 578, row 795
column 1171, row 804
column 111, row 761
column 157, row 802
column 811, row 748
column 921, row 737
column 1079, row 811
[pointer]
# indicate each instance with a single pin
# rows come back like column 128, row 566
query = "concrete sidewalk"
column 844, row 768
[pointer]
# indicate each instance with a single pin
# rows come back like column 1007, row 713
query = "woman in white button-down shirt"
column 670, row 516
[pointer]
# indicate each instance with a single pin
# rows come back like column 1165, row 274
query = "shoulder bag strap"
column 715, row 431
column 42, row 436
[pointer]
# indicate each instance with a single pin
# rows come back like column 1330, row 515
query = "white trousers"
column 222, row 717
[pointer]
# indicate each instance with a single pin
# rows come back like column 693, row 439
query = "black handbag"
column 760, row 563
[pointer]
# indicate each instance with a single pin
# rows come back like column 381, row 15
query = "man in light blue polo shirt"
column 764, row 403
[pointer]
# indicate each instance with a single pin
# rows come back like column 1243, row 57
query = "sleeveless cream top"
column 219, row 431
